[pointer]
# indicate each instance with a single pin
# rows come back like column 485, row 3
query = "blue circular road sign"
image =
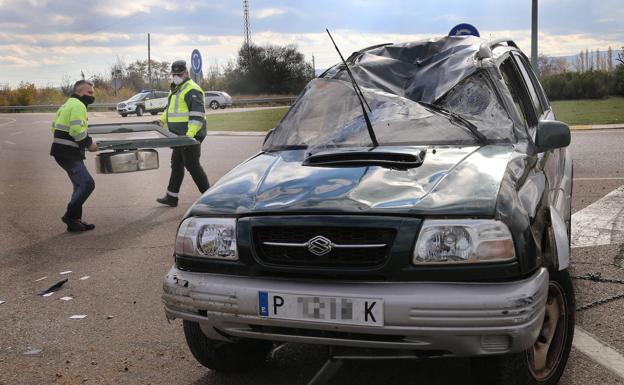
column 463, row 30
column 196, row 61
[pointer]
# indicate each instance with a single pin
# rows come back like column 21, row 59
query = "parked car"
column 151, row 101
column 440, row 228
column 217, row 99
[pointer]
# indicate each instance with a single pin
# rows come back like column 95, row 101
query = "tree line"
column 593, row 75
column 269, row 69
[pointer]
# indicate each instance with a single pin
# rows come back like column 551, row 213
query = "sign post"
column 196, row 65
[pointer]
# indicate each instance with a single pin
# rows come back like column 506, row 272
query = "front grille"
column 121, row 105
column 352, row 247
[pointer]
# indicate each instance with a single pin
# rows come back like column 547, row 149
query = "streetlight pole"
column 534, row 36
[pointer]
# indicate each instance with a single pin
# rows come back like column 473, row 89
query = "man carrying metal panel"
column 68, row 149
column 184, row 115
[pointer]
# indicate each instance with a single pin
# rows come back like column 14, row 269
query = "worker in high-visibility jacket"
column 184, row 115
column 68, row 149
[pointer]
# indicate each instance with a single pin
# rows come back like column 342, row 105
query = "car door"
column 555, row 163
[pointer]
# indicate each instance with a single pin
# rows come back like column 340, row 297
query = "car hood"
column 451, row 181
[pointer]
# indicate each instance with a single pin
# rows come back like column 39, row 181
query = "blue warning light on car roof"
column 464, row 29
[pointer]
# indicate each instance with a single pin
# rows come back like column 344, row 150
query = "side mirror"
column 126, row 161
column 551, row 134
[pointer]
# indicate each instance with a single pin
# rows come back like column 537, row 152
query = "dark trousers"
column 83, row 185
column 186, row 157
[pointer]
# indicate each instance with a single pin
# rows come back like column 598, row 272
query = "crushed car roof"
column 421, row 71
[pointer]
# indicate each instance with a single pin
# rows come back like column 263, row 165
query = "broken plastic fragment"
column 65, row 272
column 47, row 294
column 32, row 352
column 54, row 287
column 85, row 277
column 66, row 298
column 41, row 279
column 1, row 302
column 109, row 317
column 78, row 316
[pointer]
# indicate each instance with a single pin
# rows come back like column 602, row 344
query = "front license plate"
column 352, row 311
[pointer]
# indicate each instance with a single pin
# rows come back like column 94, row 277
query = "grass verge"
column 590, row 111
column 261, row 120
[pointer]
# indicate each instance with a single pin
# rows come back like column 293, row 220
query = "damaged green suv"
column 421, row 205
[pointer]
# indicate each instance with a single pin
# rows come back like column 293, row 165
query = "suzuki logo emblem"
column 320, row 245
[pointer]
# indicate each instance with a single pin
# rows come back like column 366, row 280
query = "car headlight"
column 463, row 241
column 213, row 238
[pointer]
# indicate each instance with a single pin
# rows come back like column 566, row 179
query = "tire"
column 214, row 105
column 521, row 368
column 139, row 110
column 153, row 112
column 123, row 115
column 228, row 357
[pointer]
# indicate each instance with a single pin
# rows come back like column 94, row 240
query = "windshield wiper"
column 359, row 95
column 457, row 118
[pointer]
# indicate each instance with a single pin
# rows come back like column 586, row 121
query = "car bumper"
column 125, row 110
column 462, row 319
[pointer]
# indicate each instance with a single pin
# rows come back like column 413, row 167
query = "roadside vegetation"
column 261, row 120
column 590, row 111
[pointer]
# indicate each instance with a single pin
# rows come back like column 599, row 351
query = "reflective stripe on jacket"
column 185, row 113
column 70, row 130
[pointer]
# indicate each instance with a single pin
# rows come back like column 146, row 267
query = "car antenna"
column 359, row 95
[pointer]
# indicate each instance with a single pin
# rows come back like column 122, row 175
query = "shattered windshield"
column 328, row 114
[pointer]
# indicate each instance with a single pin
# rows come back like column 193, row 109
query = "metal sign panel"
column 196, row 62
column 463, row 30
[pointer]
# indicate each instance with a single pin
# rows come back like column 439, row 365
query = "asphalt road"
column 125, row 338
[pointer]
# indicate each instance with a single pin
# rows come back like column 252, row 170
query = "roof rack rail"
column 485, row 51
column 361, row 51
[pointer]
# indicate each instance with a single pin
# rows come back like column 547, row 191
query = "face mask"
column 176, row 80
column 87, row 99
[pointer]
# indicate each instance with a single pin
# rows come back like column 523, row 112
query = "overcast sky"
column 42, row 41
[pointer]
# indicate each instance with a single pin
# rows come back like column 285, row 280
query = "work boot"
column 88, row 226
column 73, row 225
column 168, row 200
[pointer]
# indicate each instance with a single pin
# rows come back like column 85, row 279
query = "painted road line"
column 600, row 223
column 601, row 178
column 9, row 142
column 599, row 352
column 10, row 120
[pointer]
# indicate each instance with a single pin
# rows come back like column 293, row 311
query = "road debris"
column 109, row 317
column 85, row 277
column 32, row 351
column 1, row 302
column 41, row 279
column 65, row 272
column 66, row 298
column 78, row 316
column 47, row 294
column 54, row 287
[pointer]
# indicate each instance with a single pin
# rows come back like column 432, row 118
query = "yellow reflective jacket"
column 185, row 113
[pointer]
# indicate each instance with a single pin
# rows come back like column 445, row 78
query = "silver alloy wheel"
column 545, row 355
column 214, row 104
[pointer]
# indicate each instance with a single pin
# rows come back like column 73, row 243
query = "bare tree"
column 620, row 57
column 610, row 59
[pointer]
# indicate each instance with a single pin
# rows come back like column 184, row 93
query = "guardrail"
column 113, row 106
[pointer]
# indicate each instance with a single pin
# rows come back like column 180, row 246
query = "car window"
column 328, row 115
column 211, row 94
column 536, row 84
column 138, row 97
column 518, row 91
column 526, row 78
column 475, row 99
column 162, row 94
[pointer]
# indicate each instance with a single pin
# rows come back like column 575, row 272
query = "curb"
column 597, row 127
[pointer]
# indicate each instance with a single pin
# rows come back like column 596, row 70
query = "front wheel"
column 139, row 110
column 545, row 361
column 153, row 112
column 232, row 357
column 214, row 105
column 124, row 115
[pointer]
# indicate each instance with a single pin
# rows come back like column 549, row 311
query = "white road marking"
column 599, row 352
column 600, row 223
column 9, row 142
column 603, row 178
column 16, row 133
column 10, row 120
